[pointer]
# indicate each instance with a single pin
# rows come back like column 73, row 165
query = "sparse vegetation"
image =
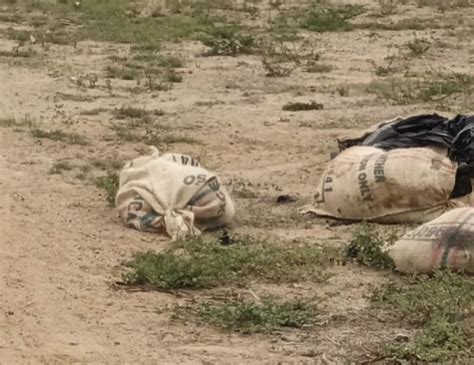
column 249, row 317
column 434, row 89
column 110, row 185
column 275, row 70
column 387, row 7
column 17, row 53
column 61, row 136
column 366, row 248
column 197, row 263
column 17, row 124
column 95, row 111
column 437, row 306
column 130, row 112
column 60, row 166
column 294, row 107
column 418, row 46
column 318, row 68
column 325, row 18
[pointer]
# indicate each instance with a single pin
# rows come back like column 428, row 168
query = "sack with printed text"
column 400, row 185
column 444, row 243
column 171, row 194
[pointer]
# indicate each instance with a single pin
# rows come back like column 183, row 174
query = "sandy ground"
column 61, row 245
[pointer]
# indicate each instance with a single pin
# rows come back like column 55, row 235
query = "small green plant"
column 170, row 61
column 294, row 107
column 58, row 135
column 121, row 72
column 387, row 7
column 110, row 164
column 95, row 111
column 196, row 263
column 435, row 89
column 18, row 53
column 109, row 184
column 131, row 112
column 437, row 305
column 418, row 46
column 160, row 138
column 14, row 123
column 323, row 18
column 274, row 70
column 385, row 69
column 60, row 166
column 170, row 76
column 318, row 68
column 408, row 24
column 366, row 248
column 265, row 316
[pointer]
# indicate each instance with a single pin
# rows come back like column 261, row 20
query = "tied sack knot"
column 179, row 223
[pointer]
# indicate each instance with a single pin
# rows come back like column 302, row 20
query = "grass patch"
column 325, row 18
column 437, row 305
column 170, row 61
column 18, row 53
column 14, row 123
column 268, row 315
column 445, row 5
column 121, row 72
column 125, row 112
column 95, row 111
column 152, row 135
column 197, row 263
column 159, row 138
column 108, row 164
column 75, row 97
column 366, row 248
column 418, row 47
column 58, row 135
column 433, row 90
column 408, row 24
column 294, row 107
column 60, row 166
column 170, row 75
column 318, row 68
column 119, row 21
column 110, row 185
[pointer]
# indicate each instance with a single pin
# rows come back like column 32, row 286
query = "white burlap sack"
column 171, row 194
column 402, row 185
column 446, row 242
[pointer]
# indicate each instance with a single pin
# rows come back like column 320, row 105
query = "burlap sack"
column 171, row 194
column 402, row 185
column 446, row 242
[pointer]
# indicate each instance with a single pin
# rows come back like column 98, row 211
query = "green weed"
column 437, row 305
column 197, row 263
column 110, row 184
column 121, row 72
column 58, row 135
column 302, row 106
column 318, row 68
column 366, row 248
column 266, row 316
column 418, row 46
column 324, row 18
column 430, row 90
column 60, row 166
column 125, row 112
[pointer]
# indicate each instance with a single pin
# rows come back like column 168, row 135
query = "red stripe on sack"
column 437, row 252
